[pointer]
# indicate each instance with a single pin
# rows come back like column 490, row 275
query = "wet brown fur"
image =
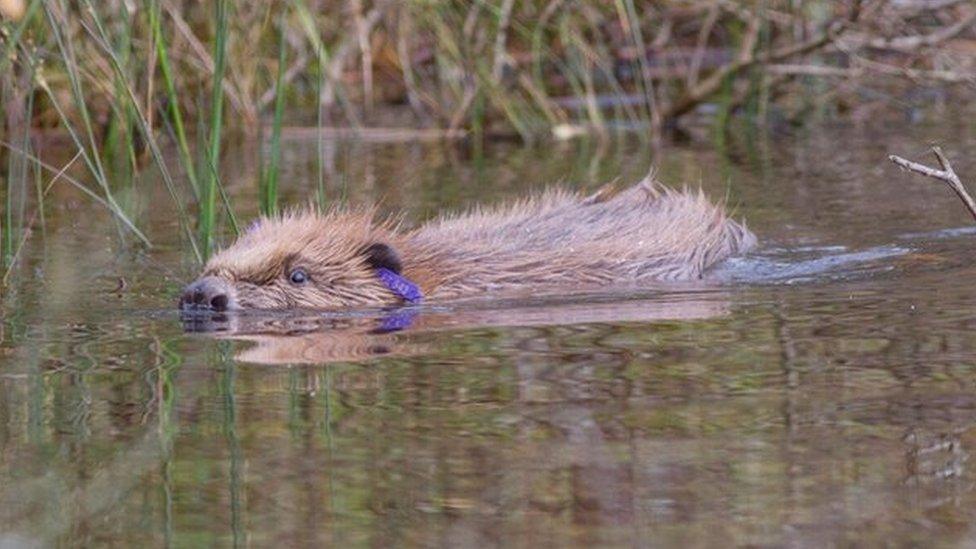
column 556, row 240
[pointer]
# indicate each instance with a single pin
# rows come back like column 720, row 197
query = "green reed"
column 645, row 87
column 228, row 390
column 119, row 138
column 56, row 14
column 6, row 221
column 269, row 179
column 172, row 96
column 208, row 204
column 132, row 106
column 308, row 26
column 319, row 141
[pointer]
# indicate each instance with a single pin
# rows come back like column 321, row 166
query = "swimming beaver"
column 559, row 240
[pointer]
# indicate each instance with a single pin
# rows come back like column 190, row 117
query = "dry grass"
column 522, row 67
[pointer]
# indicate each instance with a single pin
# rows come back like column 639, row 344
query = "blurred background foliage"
column 127, row 84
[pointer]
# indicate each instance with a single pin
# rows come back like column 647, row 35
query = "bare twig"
column 947, row 175
column 908, row 44
column 745, row 59
column 920, row 75
column 404, row 28
column 866, row 67
column 340, row 55
column 914, row 7
column 631, row 21
column 694, row 71
column 372, row 134
column 296, row 70
column 793, row 69
column 366, row 54
column 501, row 39
column 748, row 57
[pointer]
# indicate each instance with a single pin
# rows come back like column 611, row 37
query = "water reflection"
column 321, row 337
column 759, row 415
column 836, row 410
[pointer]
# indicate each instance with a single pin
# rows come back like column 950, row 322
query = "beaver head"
column 303, row 260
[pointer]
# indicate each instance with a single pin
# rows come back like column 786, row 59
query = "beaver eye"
column 298, row 276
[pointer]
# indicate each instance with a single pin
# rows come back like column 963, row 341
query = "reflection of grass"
column 84, row 136
column 236, row 486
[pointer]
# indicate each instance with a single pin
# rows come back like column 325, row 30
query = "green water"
column 818, row 398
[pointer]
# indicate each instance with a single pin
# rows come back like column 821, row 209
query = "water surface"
column 824, row 393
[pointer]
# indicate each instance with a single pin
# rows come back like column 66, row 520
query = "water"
column 823, row 393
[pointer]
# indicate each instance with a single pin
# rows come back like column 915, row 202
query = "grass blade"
column 208, row 206
column 269, row 185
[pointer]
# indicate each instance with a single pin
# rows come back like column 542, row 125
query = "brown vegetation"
column 524, row 67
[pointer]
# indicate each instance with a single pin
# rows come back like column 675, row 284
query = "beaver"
column 556, row 240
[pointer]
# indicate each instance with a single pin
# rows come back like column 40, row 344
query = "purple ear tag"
column 401, row 286
column 400, row 319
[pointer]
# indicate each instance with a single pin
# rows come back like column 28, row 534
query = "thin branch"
column 919, row 75
column 909, row 44
column 694, row 71
column 865, row 67
column 294, row 71
column 947, row 175
column 914, row 7
column 366, row 54
column 747, row 58
column 501, row 38
column 404, row 28
column 340, row 55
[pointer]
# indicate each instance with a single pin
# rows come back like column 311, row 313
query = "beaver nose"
column 206, row 293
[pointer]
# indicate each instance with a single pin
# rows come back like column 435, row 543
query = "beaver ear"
column 382, row 256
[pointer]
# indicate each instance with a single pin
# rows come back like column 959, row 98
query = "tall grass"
column 118, row 140
column 208, row 205
column 130, row 104
column 55, row 11
column 269, row 184
column 172, row 97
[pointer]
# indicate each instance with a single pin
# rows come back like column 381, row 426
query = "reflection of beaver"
column 556, row 241
column 316, row 337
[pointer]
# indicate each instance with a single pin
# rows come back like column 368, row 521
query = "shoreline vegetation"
column 162, row 84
